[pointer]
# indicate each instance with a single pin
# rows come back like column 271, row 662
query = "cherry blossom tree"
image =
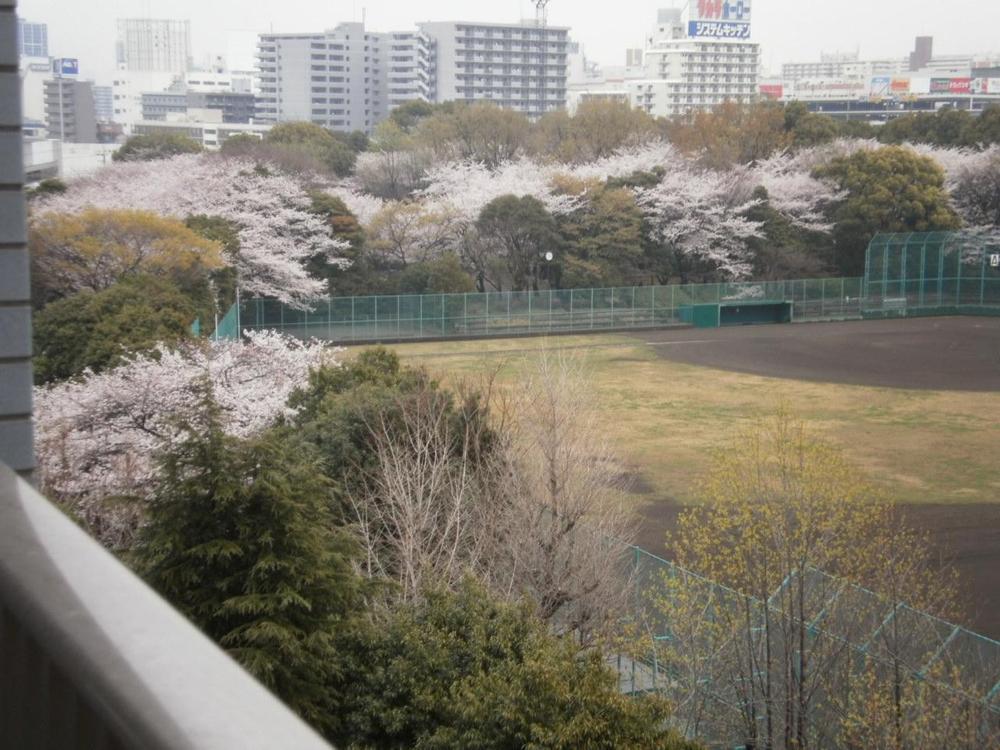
column 364, row 206
column 466, row 187
column 278, row 233
column 973, row 180
column 699, row 215
column 96, row 436
column 796, row 193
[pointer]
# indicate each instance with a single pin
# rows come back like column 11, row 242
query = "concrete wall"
column 16, row 445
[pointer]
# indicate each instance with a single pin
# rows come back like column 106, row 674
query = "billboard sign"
column 880, row 86
column 960, row 85
column 940, row 85
column 900, row 85
column 66, row 66
column 720, row 19
column 771, row 90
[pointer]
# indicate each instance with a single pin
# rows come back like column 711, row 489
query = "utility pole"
column 541, row 12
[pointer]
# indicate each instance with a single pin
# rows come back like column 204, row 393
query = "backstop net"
column 933, row 273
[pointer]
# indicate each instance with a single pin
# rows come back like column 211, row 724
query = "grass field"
column 665, row 417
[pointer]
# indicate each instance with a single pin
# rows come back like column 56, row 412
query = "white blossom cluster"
column 97, row 436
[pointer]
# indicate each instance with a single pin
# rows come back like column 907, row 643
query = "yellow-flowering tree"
column 96, row 248
column 793, row 575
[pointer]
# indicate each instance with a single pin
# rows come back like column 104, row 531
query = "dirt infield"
column 961, row 353
column 966, row 535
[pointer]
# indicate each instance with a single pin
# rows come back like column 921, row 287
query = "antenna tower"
column 541, row 12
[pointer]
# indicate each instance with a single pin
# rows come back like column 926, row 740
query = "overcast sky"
column 787, row 30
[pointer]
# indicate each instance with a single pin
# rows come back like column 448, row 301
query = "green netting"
column 380, row 318
column 933, row 273
column 708, row 647
column 228, row 327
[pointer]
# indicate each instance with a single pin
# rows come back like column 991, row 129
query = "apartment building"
column 349, row 78
column 333, row 78
column 517, row 66
column 679, row 71
column 69, row 110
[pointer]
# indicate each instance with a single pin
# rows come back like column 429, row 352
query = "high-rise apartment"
column 331, row 78
column 349, row 78
column 154, row 45
column 517, row 66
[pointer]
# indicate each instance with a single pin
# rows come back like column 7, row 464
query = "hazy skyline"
column 786, row 30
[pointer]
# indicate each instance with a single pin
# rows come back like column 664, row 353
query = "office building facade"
column 154, row 45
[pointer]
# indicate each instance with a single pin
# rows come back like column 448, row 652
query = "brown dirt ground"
column 955, row 354
column 919, row 353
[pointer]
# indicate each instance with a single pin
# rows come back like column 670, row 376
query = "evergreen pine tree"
column 239, row 538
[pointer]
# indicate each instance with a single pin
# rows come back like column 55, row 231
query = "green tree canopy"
column 522, row 231
column 459, row 670
column 313, row 141
column 603, row 240
column 439, row 275
column 96, row 330
column 339, row 408
column 890, row 189
column 240, row 539
column 945, row 127
column 155, row 146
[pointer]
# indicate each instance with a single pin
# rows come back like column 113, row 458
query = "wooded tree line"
column 456, row 198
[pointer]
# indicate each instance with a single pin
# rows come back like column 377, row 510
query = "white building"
column 683, row 67
column 517, row 66
column 348, row 78
column 409, row 63
column 127, row 89
column 202, row 125
column 331, row 78
column 154, row 45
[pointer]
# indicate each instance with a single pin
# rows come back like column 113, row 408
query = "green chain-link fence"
column 933, row 273
column 380, row 318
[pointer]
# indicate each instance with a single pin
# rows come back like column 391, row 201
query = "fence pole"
column 529, row 309
column 550, row 310
column 591, row 308
column 353, row 332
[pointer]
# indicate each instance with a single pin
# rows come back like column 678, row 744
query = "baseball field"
column 915, row 403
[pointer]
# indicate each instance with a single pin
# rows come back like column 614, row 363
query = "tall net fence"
column 378, row 318
column 933, row 273
column 819, row 662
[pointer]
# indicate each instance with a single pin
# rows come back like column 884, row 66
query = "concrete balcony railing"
column 92, row 658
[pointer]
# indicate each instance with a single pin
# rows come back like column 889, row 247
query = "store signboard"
column 720, row 19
